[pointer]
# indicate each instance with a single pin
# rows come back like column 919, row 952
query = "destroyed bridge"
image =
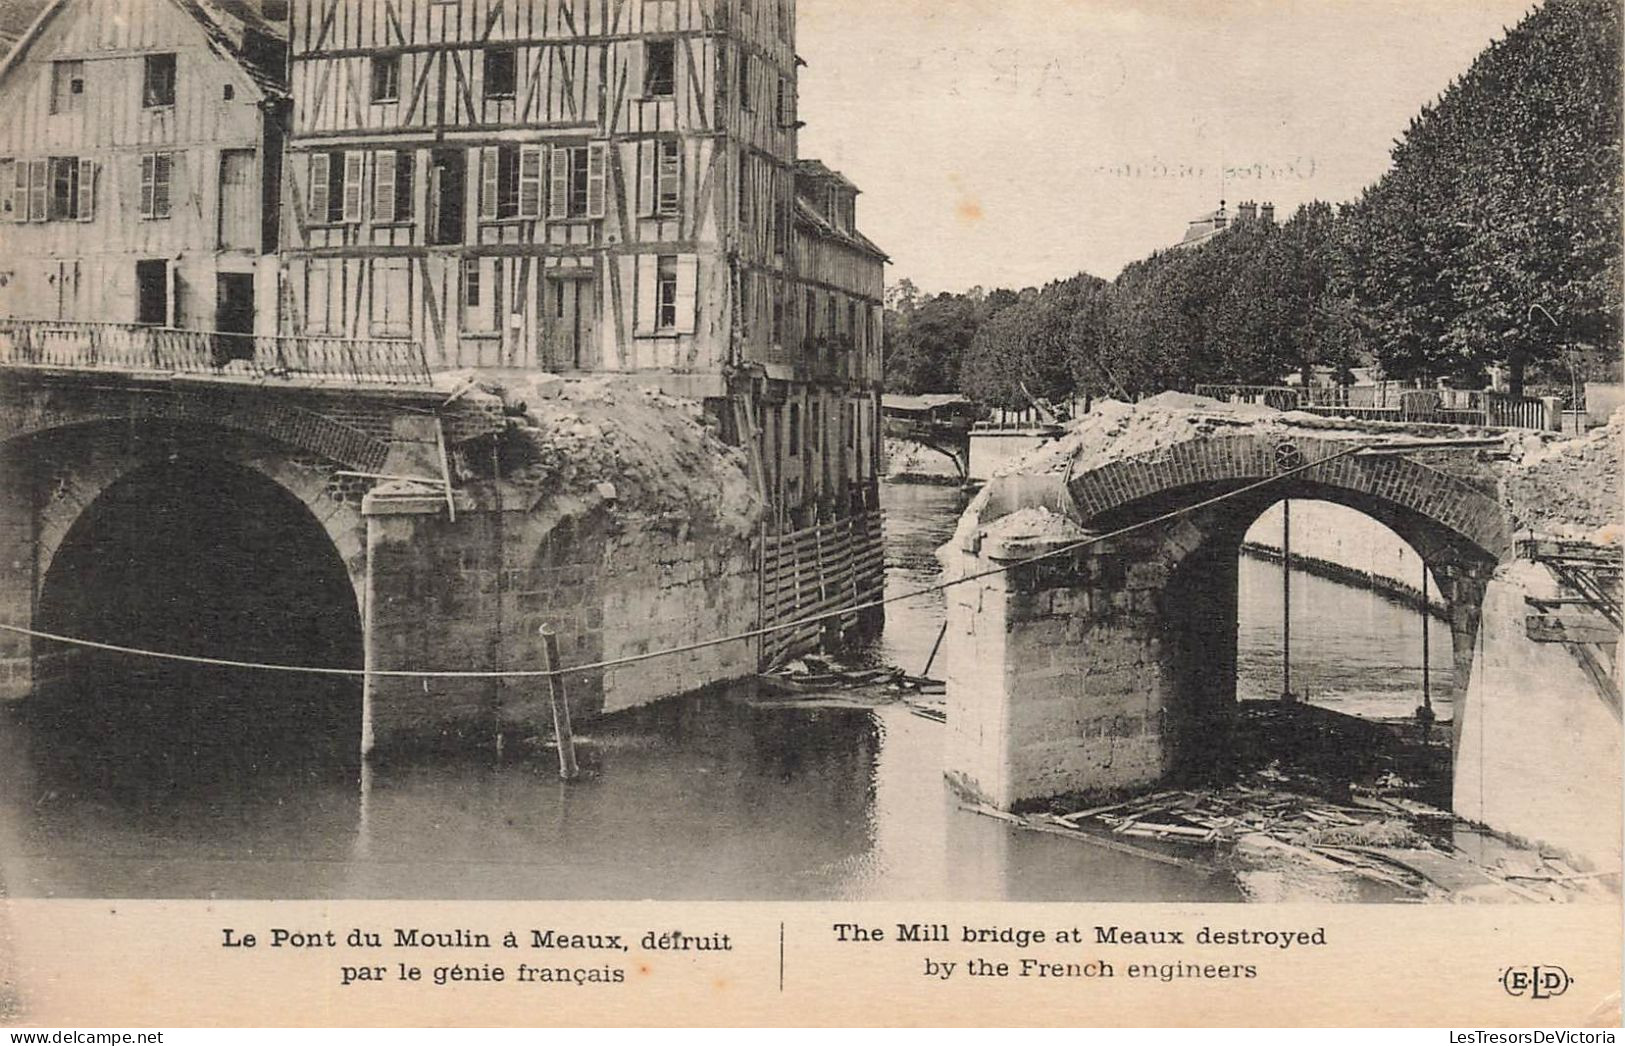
column 1109, row 664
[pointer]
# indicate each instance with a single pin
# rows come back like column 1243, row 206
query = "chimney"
column 1246, row 212
column 1267, row 213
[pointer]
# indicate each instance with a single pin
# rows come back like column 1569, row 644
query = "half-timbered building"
column 139, row 165
column 590, row 186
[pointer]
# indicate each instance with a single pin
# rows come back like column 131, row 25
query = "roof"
column 816, row 169
column 234, row 27
column 923, row 402
column 16, row 16
column 809, row 217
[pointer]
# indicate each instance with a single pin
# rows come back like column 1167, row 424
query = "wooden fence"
column 810, row 572
column 1389, row 403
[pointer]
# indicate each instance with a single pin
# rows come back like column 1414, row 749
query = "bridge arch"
column 1114, row 665
column 193, row 539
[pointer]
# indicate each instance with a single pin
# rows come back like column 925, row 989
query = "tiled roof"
column 809, row 217
column 234, row 27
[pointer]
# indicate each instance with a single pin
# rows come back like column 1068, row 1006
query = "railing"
column 1389, row 403
column 169, row 350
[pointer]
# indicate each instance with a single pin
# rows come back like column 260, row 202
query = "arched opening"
column 1335, row 691
column 206, row 558
column 1357, row 624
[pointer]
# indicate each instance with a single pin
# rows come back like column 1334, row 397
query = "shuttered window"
column 39, row 173
column 383, row 186
column 579, row 183
column 660, row 177
column 8, row 183
column 490, row 182
column 391, row 186
column 530, row 181
column 318, row 187
column 597, row 178
column 156, row 169
column 87, row 190
column 353, row 167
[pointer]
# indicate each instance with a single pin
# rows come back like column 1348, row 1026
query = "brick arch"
column 35, row 411
column 89, row 468
column 1432, row 509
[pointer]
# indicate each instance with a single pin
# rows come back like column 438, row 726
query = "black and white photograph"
column 760, row 450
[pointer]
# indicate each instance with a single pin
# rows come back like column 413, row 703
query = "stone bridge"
column 1112, row 667
column 374, row 528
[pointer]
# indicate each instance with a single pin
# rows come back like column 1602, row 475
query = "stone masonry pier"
column 612, row 515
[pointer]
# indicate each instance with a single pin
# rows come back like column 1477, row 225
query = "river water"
column 721, row 796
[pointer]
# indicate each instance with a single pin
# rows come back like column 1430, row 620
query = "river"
column 716, row 797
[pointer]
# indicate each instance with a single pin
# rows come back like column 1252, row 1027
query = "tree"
column 1495, row 235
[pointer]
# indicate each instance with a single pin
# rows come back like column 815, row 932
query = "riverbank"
column 1389, row 588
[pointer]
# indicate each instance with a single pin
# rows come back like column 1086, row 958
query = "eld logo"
column 1535, row 982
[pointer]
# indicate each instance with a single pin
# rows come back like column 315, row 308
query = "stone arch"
column 1442, row 509
column 360, row 441
column 1108, row 664
column 205, row 545
column 94, row 456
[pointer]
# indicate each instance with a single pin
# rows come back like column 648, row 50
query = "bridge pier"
column 1074, row 674
column 18, row 560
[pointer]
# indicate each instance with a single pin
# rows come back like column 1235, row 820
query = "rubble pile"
column 650, row 452
column 1569, row 488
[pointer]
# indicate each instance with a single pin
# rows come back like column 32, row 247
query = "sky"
column 1006, row 143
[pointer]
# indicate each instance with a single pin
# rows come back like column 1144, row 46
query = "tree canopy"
column 1494, row 237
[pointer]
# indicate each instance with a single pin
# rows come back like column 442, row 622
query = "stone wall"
column 474, row 594
column 17, row 586
column 1538, row 750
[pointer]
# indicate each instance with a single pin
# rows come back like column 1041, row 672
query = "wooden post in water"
column 926, row 671
column 561, row 708
column 1286, row 601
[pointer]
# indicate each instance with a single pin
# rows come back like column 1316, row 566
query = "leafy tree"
column 1495, row 234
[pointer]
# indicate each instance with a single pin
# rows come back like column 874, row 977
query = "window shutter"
column 161, row 169
column 19, row 197
column 530, row 181
column 39, row 174
column 488, row 183
column 688, row 266
column 318, row 188
column 353, row 166
column 646, row 177
column 648, row 290
column 670, row 178
column 597, row 162
column 87, row 190
column 558, row 202
column 383, row 186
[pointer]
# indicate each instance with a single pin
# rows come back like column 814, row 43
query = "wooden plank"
column 1570, row 628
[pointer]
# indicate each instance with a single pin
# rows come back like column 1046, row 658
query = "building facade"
column 139, row 164
column 580, row 186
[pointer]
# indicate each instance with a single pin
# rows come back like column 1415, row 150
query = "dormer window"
column 158, row 81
